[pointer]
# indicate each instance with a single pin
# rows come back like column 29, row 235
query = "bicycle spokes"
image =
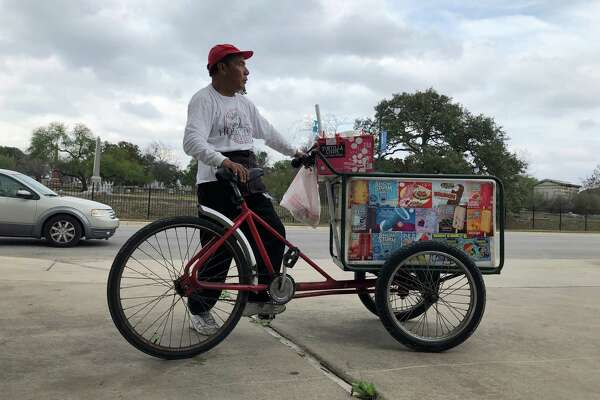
column 154, row 304
column 434, row 291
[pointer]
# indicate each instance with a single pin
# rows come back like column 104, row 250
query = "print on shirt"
column 237, row 128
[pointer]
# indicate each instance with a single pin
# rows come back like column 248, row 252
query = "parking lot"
column 538, row 338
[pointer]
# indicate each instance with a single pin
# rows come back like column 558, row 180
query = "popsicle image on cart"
column 395, row 219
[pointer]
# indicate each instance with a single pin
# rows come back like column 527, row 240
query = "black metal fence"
column 150, row 203
column 561, row 221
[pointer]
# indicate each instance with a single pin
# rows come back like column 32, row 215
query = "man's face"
column 237, row 73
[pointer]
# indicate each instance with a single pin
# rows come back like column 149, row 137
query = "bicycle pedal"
column 291, row 257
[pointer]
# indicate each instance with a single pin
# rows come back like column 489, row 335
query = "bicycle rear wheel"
column 412, row 303
column 147, row 305
column 451, row 288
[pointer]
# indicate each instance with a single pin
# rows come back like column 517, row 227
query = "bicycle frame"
column 328, row 287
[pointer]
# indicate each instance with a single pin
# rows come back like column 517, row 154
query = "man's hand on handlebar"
column 237, row 169
column 300, row 153
column 304, row 157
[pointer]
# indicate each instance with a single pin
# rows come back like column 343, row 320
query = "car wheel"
column 63, row 231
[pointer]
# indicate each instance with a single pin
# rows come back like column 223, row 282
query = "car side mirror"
column 24, row 194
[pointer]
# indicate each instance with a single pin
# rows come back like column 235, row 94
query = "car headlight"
column 102, row 213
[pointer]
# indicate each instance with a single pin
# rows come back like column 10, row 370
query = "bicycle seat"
column 225, row 175
column 255, row 173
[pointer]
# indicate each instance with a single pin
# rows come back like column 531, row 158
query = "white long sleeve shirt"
column 218, row 123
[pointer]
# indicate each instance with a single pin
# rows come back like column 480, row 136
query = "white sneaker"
column 204, row 323
column 254, row 308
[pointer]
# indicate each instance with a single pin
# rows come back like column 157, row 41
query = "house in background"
column 550, row 189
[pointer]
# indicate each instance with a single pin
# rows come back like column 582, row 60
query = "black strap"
column 248, row 159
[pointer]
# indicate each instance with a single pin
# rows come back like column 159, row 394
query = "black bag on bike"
column 247, row 158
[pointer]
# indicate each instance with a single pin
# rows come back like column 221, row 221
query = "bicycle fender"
column 239, row 235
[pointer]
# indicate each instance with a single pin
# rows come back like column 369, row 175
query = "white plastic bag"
column 302, row 197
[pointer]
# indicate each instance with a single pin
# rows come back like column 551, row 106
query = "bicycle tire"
column 114, row 289
column 457, row 264
column 368, row 300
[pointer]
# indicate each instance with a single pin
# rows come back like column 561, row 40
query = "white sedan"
column 30, row 209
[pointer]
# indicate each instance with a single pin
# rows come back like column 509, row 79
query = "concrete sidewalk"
column 57, row 341
column 538, row 340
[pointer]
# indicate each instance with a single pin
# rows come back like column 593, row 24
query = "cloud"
column 142, row 109
column 588, row 124
column 128, row 69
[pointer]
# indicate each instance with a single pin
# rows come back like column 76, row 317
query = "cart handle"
column 309, row 158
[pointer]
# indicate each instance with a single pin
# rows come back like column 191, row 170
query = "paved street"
column 314, row 242
column 538, row 338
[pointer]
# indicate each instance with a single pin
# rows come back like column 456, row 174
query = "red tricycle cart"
column 417, row 246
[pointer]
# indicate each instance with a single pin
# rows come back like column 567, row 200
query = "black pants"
column 218, row 196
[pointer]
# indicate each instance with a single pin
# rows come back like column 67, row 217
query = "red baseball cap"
column 219, row 51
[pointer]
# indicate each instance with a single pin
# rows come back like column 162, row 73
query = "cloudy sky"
column 128, row 68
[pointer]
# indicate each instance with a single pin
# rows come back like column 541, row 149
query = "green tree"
column 587, row 202
column 80, row 147
column 46, row 143
column 559, row 204
column 126, row 149
column 428, row 133
column 12, row 152
column 278, row 177
column 123, row 164
column 165, row 172
column 157, row 150
column 7, row 162
column 157, row 161
column 19, row 161
column 32, row 167
column 523, row 195
column 188, row 177
column 262, row 159
column 69, row 151
column 593, row 181
column 9, row 157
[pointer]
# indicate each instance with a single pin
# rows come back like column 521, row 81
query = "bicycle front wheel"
column 145, row 302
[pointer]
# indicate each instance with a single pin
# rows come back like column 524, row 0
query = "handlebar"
column 308, row 160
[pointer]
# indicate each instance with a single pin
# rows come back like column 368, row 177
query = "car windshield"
column 35, row 185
